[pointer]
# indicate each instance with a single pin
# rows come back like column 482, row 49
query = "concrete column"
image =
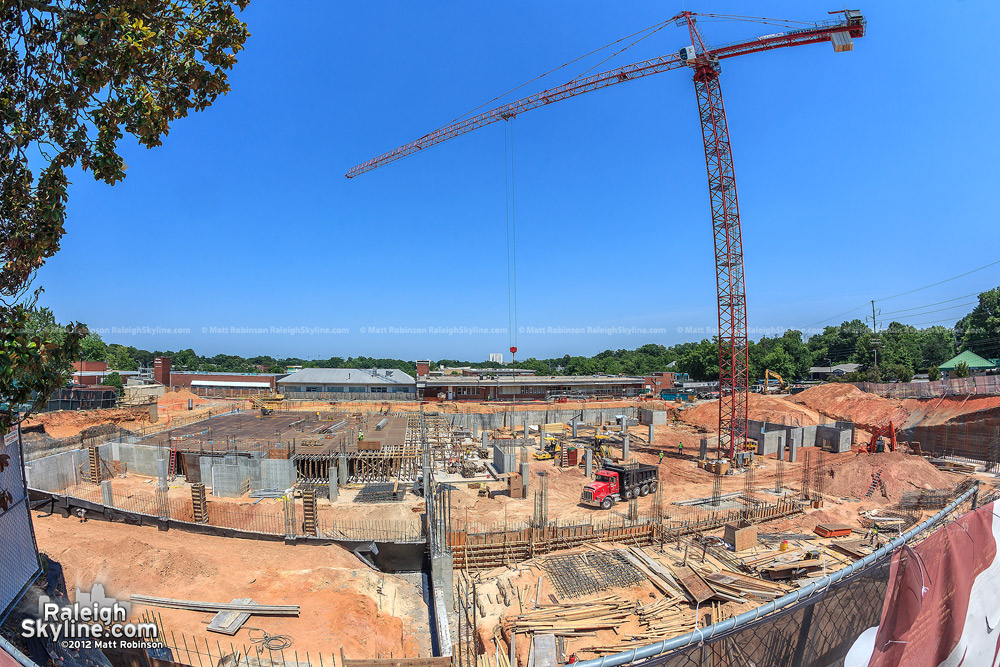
column 652, row 432
column 106, row 496
column 334, row 488
column 342, row 468
column 780, row 453
column 588, row 459
column 573, row 424
column 525, row 474
column 625, row 448
column 703, row 449
column 475, row 431
column 792, row 446
column 161, row 474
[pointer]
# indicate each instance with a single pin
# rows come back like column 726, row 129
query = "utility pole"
column 875, row 340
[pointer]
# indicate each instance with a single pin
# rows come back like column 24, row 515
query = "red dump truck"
column 615, row 483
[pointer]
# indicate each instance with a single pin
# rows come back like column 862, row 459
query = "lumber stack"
column 574, row 620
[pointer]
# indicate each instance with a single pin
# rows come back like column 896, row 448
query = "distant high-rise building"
column 496, row 357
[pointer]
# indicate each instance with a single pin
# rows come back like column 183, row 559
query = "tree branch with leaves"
column 76, row 76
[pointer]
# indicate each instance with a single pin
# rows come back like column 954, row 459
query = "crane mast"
column 734, row 374
column 734, row 362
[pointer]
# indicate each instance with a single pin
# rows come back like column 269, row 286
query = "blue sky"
column 861, row 175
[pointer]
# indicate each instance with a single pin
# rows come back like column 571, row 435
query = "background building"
column 348, row 384
column 528, row 387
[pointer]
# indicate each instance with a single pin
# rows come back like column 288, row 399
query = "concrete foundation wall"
column 835, row 437
column 277, row 474
column 504, row 460
column 521, row 417
column 654, row 417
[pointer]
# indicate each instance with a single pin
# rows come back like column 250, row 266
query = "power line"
column 940, row 282
column 936, row 303
column 938, row 310
column 905, row 310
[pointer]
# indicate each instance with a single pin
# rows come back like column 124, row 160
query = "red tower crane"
column 734, row 382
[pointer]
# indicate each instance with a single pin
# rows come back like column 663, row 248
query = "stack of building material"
column 574, row 620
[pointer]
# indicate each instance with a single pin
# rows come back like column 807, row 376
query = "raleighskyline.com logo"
column 93, row 621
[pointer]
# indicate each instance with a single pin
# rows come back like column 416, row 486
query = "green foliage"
column 788, row 356
column 120, row 358
column 961, row 370
column 933, row 373
column 979, row 331
column 937, row 345
column 837, row 344
column 75, row 77
column 92, row 348
column 701, row 360
column 114, row 380
column 897, row 372
column 33, row 362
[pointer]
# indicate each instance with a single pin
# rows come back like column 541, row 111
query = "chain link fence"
column 18, row 551
column 815, row 625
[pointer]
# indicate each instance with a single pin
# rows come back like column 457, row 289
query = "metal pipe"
column 700, row 635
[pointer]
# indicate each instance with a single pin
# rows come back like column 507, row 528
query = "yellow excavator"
column 782, row 385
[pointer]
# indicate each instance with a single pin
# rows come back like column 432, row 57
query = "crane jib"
column 631, row 72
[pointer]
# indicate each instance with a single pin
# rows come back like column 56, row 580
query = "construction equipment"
column 877, row 443
column 764, row 386
column 768, row 375
column 550, row 449
column 612, row 483
column 705, row 63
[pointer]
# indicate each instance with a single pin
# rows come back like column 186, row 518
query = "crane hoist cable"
column 511, row 226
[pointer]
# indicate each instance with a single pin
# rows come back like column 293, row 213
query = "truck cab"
column 603, row 491
column 614, row 483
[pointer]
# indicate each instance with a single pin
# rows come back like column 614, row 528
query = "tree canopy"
column 76, row 76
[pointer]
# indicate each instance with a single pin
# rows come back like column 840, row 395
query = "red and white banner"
column 942, row 605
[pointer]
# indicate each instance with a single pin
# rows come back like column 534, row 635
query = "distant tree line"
column 903, row 351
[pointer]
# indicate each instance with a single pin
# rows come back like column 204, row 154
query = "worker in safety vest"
column 874, row 541
column 661, row 456
column 680, row 448
column 361, row 436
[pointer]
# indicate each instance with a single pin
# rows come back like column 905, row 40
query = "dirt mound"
column 69, row 423
column 845, row 402
column 849, row 475
column 935, row 411
column 342, row 604
column 179, row 399
column 773, row 409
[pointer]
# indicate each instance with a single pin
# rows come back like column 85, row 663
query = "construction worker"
column 680, row 448
column 874, row 541
column 361, row 435
column 661, row 455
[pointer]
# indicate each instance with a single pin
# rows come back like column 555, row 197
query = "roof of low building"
column 365, row 376
column 846, row 368
column 533, row 380
column 971, row 359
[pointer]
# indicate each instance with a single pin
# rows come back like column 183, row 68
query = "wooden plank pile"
column 574, row 619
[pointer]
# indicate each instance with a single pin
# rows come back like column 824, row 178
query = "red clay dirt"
column 339, row 597
column 68, row 423
column 775, row 409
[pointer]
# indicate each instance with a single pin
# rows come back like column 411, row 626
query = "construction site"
column 594, row 527
column 486, row 543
